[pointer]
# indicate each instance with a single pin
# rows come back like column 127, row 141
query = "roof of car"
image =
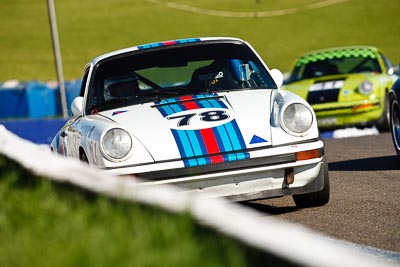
column 341, row 48
column 337, row 52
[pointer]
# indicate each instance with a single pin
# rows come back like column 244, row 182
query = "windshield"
column 335, row 63
column 170, row 72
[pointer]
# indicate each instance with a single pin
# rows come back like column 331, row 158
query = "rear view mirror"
column 393, row 69
column 77, row 106
column 277, row 76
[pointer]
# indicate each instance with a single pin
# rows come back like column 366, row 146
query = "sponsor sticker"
column 327, row 121
column 329, row 85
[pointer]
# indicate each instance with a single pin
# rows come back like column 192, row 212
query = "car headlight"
column 297, row 119
column 116, row 144
column 366, row 88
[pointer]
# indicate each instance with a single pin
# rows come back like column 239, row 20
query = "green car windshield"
column 335, row 62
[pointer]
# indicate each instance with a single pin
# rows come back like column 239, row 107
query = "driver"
column 121, row 87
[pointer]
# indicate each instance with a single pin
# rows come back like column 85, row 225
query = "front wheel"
column 315, row 199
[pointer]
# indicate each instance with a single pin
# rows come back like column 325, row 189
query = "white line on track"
column 386, row 255
column 250, row 14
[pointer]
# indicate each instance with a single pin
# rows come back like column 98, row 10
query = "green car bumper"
column 334, row 115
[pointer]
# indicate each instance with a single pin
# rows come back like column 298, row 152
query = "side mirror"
column 393, row 69
column 277, row 76
column 77, row 106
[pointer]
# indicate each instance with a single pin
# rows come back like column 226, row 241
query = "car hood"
column 207, row 125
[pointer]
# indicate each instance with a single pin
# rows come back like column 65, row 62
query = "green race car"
column 346, row 86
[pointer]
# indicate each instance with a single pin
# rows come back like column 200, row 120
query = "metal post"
column 57, row 56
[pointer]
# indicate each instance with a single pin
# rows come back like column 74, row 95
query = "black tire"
column 315, row 199
column 383, row 124
column 395, row 124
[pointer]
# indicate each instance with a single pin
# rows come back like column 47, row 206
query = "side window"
column 83, row 85
column 386, row 61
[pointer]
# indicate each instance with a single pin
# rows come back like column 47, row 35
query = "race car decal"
column 340, row 53
column 327, row 85
column 256, row 139
column 216, row 159
column 118, row 112
column 216, row 141
column 199, row 118
column 323, row 92
column 166, row 43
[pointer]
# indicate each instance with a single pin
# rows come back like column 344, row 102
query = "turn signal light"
column 362, row 106
column 309, row 154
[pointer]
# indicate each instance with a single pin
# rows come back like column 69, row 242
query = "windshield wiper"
column 110, row 104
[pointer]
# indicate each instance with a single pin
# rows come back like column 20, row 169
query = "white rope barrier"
column 288, row 241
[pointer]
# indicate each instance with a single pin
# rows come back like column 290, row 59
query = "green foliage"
column 93, row 27
column 47, row 224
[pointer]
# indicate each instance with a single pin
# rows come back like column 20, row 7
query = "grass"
column 48, row 224
column 93, row 27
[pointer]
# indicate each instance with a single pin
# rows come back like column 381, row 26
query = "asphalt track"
column 364, row 207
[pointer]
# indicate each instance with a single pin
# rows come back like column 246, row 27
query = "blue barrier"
column 42, row 100
column 326, row 134
column 13, row 101
column 35, row 99
column 71, row 91
column 37, row 131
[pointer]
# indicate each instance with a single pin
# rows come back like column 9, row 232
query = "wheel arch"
column 392, row 95
column 83, row 156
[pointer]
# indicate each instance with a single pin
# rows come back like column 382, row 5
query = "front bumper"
column 257, row 183
column 267, row 173
column 345, row 114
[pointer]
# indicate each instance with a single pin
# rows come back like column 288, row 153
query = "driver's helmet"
column 120, row 87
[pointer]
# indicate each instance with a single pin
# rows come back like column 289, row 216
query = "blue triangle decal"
column 256, row 139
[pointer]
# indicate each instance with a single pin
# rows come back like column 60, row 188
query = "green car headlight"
column 366, row 88
column 297, row 119
column 116, row 144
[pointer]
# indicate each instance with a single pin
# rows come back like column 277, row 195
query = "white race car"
column 204, row 114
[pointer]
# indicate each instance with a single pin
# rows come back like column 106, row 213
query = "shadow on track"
column 268, row 209
column 367, row 164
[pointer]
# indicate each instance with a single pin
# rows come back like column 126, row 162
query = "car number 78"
column 208, row 116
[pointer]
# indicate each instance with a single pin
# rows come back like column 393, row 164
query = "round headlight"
column 366, row 88
column 297, row 119
column 116, row 144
